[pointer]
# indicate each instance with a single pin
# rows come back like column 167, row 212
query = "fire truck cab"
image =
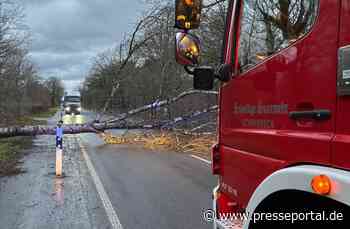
column 284, row 117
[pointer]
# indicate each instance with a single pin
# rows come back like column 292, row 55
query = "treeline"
column 22, row 91
column 142, row 69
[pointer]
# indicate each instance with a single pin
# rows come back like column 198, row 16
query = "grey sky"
column 67, row 34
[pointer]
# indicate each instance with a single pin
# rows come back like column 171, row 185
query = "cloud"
column 67, row 34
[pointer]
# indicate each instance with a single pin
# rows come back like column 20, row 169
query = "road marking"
column 201, row 159
column 112, row 215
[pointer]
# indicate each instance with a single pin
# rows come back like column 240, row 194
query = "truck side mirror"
column 187, row 49
column 203, row 78
column 187, row 14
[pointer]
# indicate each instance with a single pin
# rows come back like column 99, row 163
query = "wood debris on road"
column 178, row 141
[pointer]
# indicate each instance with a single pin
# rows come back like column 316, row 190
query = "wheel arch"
column 297, row 179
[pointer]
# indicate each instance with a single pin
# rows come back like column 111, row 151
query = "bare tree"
column 18, row 77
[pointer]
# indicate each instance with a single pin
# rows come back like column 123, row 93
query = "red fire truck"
column 283, row 151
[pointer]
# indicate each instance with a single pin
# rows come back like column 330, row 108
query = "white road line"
column 201, row 159
column 112, row 215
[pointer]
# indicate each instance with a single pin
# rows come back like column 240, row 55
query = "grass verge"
column 46, row 114
column 30, row 121
column 37, row 118
column 11, row 151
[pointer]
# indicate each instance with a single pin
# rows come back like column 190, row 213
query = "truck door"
column 279, row 108
column 340, row 150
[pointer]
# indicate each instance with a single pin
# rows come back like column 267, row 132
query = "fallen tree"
column 51, row 130
column 158, row 104
column 115, row 123
column 194, row 115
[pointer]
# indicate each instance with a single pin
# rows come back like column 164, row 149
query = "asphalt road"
column 152, row 189
column 146, row 189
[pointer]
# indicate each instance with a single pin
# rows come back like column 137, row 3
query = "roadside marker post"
column 59, row 148
column 59, row 162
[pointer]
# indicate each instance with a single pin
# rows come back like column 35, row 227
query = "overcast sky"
column 67, row 34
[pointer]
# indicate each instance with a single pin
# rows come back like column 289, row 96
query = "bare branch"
column 194, row 115
column 131, row 50
column 213, row 4
column 158, row 104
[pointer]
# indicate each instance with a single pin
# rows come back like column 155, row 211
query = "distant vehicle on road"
column 72, row 104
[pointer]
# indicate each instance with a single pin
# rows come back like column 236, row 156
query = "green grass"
column 23, row 121
column 47, row 114
column 10, row 147
column 33, row 119
column 10, row 153
column 6, row 151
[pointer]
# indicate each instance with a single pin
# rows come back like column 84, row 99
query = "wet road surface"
column 38, row 200
column 151, row 189
column 147, row 189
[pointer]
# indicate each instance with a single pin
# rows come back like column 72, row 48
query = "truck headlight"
column 79, row 109
column 67, row 108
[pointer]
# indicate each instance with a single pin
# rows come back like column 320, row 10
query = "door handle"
column 319, row 115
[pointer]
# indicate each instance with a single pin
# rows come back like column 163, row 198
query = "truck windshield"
column 74, row 99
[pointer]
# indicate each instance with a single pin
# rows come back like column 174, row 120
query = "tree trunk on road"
column 115, row 123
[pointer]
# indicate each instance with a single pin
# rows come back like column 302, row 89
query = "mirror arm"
column 188, row 70
column 224, row 72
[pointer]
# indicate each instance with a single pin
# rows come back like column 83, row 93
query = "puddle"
column 58, row 194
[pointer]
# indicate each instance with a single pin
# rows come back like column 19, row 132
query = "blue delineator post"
column 59, row 136
column 59, row 147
